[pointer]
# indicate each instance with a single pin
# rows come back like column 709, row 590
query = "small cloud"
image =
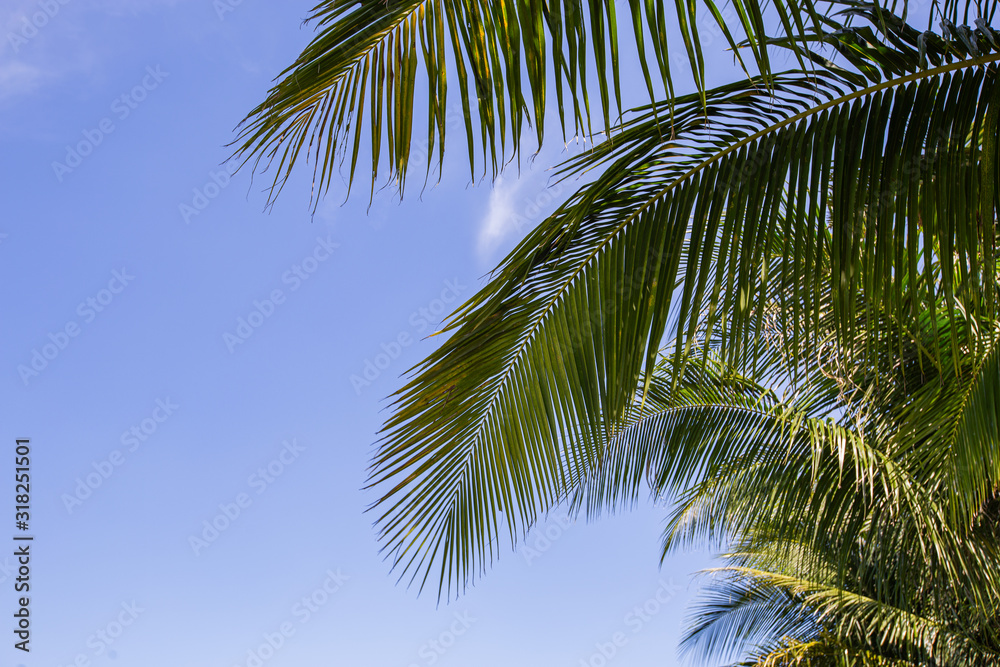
column 516, row 206
column 501, row 216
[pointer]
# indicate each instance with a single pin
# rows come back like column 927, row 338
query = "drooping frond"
column 500, row 61
column 974, row 441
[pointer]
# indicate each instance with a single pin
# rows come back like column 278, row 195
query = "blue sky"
column 181, row 358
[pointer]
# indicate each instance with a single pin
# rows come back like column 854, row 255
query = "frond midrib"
column 924, row 74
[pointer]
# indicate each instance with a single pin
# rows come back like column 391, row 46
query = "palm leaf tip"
column 358, row 76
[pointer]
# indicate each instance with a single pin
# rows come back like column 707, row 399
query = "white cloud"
column 40, row 45
column 516, row 206
column 501, row 215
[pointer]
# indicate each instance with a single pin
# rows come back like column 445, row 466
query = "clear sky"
column 180, row 358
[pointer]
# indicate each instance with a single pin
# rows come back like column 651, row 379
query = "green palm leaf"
column 359, row 76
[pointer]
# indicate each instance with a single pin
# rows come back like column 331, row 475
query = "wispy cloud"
column 501, row 215
column 515, row 206
column 41, row 43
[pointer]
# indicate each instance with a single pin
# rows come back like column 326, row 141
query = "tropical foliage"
column 819, row 245
column 365, row 60
column 849, row 542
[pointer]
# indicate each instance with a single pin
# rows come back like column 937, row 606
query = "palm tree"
column 819, row 244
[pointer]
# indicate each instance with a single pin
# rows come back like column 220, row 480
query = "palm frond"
column 360, row 75
column 739, row 617
column 802, row 607
column 975, row 440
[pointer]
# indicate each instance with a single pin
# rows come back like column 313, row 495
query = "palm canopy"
column 819, row 245
column 774, row 205
column 778, row 612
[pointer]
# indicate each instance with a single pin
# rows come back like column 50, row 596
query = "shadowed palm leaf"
column 863, row 533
